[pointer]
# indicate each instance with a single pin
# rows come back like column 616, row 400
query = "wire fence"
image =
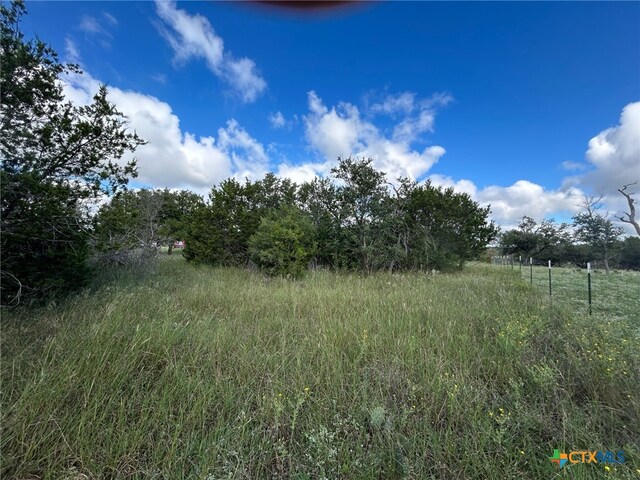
column 588, row 290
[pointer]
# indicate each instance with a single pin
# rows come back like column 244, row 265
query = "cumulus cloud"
column 172, row 157
column 615, row 154
column 193, row 36
column 509, row 204
column 305, row 172
column 341, row 131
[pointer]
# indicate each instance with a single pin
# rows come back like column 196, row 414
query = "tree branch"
column 631, row 215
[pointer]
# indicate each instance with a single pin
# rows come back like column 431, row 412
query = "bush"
column 284, row 243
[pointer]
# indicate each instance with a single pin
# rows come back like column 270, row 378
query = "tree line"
column 353, row 220
column 592, row 237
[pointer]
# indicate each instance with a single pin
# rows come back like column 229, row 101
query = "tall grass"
column 220, row 373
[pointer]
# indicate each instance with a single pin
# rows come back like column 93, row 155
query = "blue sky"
column 526, row 106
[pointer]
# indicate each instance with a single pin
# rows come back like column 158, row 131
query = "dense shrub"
column 284, row 243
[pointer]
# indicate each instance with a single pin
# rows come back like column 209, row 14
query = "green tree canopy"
column 284, row 243
column 55, row 158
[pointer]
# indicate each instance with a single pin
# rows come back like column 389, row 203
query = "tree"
column 283, row 243
column 630, row 253
column 56, row 157
column 361, row 198
column 219, row 232
column 177, row 209
column 319, row 200
column 631, row 215
column 531, row 239
column 597, row 231
column 447, row 228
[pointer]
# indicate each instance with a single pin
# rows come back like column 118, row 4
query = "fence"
column 588, row 290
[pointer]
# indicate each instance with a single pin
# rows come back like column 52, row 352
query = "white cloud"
column 303, row 173
column 277, row 120
column 174, row 158
column 89, row 24
column 402, row 103
column 509, row 204
column 341, row 132
column 193, row 36
column 574, row 166
column 110, row 18
column 71, row 50
column 160, row 78
column 615, row 154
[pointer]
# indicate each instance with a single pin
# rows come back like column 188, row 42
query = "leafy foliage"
column 284, row 243
column 532, row 240
column 56, row 157
column 360, row 221
column 597, row 231
column 219, row 232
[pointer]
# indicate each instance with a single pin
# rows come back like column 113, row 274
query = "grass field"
column 209, row 373
column 616, row 295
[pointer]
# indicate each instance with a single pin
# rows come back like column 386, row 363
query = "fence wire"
column 616, row 294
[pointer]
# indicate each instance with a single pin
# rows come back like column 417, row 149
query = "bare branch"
column 631, row 215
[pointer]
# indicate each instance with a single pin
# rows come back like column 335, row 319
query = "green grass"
column 616, row 295
column 208, row 373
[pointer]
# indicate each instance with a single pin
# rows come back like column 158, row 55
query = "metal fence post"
column 589, row 284
column 531, row 270
column 549, row 278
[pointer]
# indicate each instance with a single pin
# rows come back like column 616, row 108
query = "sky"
column 526, row 106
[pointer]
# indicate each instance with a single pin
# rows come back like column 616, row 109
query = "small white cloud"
column 110, row 18
column 193, row 36
column 573, row 166
column 401, row 103
column 71, row 50
column 160, row 78
column 89, row 24
column 303, row 173
column 277, row 120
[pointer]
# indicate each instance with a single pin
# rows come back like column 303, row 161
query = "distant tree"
column 630, row 253
column 56, row 157
column 597, row 231
column 631, row 215
column 531, row 239
column 284, row 243
column 138, row 222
